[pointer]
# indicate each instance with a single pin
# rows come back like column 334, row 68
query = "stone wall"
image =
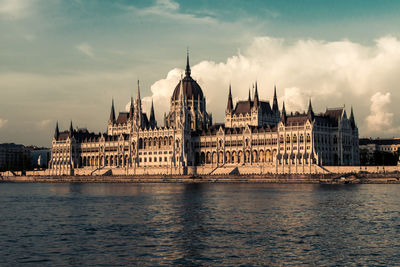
column 358, row 169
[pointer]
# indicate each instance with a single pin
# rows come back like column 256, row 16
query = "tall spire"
column 56, row 132
column 256, row 101
column 187, row 71
column 152, row 117
column 131, row 109
column 138, row 91
column 352, row 120
column 71, row 130
column 310, row 112
column 229, row 107
column 275, row 106
column 249, row 98
column 153, row 122
column 283, row 115
column 112, row 113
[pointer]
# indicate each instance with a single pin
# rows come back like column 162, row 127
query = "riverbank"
column 350, row 178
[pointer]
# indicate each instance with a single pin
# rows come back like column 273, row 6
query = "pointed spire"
column 352, row 120
column 152, row 117
column 310, row 112
column 229, row 107
column 256, row 101
column 112, row 113
column 138, row 91
column 57, row 131
column 187, row 70
column 153, row 122
column 310, row 109
column 275, row 106
column 131, row 109
column 283, row 114
column 249, row 98
column 71, row 129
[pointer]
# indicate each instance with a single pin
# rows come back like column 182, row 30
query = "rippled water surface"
column 199, row 224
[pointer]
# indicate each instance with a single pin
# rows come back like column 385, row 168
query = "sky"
column 63, row 60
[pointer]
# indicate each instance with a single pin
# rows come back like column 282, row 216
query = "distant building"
column 379, row 151
column 385, row 145
column 40, row 156
column 253, row 134
column 14, row 157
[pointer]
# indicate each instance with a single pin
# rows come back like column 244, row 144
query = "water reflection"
column 192, row 231
column 199, row 224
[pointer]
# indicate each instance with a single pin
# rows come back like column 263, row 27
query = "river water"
column 199, row 224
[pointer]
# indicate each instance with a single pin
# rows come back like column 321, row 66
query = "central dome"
column 191, row 88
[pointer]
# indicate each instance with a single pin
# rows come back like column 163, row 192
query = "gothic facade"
column 253, row 134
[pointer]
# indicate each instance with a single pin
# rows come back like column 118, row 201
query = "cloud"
column 3, row 122
column 86, row 49
column 14, row 9
column 380, row 119
column 170, row 9
column 332, row 74
column 43, row 123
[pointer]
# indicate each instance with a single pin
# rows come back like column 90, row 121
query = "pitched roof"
column 244, row 107
column 294, row 120
column 122, row 117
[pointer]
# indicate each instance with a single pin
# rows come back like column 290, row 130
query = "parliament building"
column 255, row 138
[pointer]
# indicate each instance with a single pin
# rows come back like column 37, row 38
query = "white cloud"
column 86, row 49
column 3, row 122
column 170, row 9
column 43, row 123
column 380, row 119
column 331, row 73
column 14, row 9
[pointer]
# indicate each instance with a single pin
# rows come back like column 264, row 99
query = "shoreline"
column 348, row 178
